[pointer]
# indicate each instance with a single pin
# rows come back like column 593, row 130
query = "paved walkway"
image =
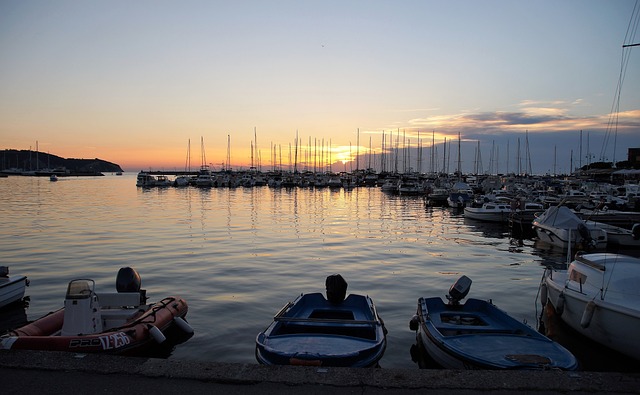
column 25, row 372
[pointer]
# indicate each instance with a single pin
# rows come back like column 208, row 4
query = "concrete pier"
column 25, row 372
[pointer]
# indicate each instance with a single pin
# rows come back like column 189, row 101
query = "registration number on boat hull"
column 106, row 342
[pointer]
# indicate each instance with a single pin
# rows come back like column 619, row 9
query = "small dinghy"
column 11, row 287
column 115, row 323
column 316, row 331
column 478, row 335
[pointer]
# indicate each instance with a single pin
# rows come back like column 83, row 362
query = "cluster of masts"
column 397, row 154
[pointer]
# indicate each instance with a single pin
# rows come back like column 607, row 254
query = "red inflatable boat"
column 116, row 323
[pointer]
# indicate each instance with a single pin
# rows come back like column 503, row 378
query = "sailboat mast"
column 518, row 158
column 383, row 155
column 358, row 151
column 419, row 159
column 444, row 157
column 295, row 164
column 433, row 147
column 459, row 159
column 187, row 164
column 203, row 158
column 528, row 154
column 228, row 152
column 251, row 149
column 507, row 156
column 570, row 163
column 370, row 152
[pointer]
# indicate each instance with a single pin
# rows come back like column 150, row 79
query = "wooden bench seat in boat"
column 359, row 331
column 328, row 322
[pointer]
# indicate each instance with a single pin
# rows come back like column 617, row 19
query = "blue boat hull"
column 312, row 331
column 478, row 335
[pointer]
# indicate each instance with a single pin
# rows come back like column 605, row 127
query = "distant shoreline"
column 50, row 173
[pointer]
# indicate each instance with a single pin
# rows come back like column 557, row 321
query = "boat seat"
column 119, row 299
column 360, row 331
column 113, row 318
column 117, row 308
column 453, row 330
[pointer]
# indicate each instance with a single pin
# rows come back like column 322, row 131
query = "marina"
column 491, row 153
column 237, row 254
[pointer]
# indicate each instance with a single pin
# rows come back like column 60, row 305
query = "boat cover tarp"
column 560, row 217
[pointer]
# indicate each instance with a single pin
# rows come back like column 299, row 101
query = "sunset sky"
column 132, row 82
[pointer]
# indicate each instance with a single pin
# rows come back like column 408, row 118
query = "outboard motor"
column 128, row 280
column 336, row 288
column 635, row 232
column 81, row 309
column 583, row 231
column 459, row 290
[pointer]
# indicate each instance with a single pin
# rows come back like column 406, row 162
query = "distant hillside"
column 28, row 160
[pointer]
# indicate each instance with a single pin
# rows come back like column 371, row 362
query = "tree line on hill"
column 29, row 161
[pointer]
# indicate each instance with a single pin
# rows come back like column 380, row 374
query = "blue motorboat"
column 478, row 335
column 318, row 331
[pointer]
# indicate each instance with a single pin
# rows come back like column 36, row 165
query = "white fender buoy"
column 587, row 315
column 543, row 294
column 560, row 304
column 183, row 325
column 156, row 334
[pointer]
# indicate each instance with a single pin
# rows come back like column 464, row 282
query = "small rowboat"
column 316, row 331
column 114, row 323
column 478, row 335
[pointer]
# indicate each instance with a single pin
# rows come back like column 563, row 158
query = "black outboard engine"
column 635, row 232
column 128, row 280
column 583, row 231
column 459, row 290
column 336, row 288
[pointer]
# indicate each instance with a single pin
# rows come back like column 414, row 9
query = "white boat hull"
column 560, row 227
column 578, row 299
column 617, row 236
column 563, row 237
column 488, row 217
column 12, row 289
column 488, row 212
column 441, row 357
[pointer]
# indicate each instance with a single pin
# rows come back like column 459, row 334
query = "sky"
column 150, row 84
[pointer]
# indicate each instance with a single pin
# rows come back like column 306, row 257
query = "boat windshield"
column 80, row 289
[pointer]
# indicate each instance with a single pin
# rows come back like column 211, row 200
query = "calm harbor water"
column 238, row 255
